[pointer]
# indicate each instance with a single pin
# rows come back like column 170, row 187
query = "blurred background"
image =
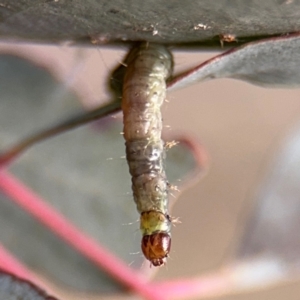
column 245, row 130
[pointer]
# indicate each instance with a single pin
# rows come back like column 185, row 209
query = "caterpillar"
column 144, row 91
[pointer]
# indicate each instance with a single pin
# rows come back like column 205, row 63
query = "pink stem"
column 11, row 264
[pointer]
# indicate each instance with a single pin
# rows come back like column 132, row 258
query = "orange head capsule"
column 156, row 247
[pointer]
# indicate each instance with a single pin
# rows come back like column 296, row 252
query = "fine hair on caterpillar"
column 144, row 91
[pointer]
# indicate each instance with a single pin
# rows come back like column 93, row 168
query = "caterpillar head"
column 156, row 247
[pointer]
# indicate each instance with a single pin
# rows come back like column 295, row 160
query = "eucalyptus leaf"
column 271, row 63
column 172, row 22
column 14, row 288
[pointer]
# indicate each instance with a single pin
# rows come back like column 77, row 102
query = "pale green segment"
column 154, row 222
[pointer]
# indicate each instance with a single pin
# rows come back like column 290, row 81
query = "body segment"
column 144, row 91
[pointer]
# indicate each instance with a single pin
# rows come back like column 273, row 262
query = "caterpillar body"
column 144, row 91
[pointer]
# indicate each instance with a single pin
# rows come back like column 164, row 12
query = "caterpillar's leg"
column 71, row 123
